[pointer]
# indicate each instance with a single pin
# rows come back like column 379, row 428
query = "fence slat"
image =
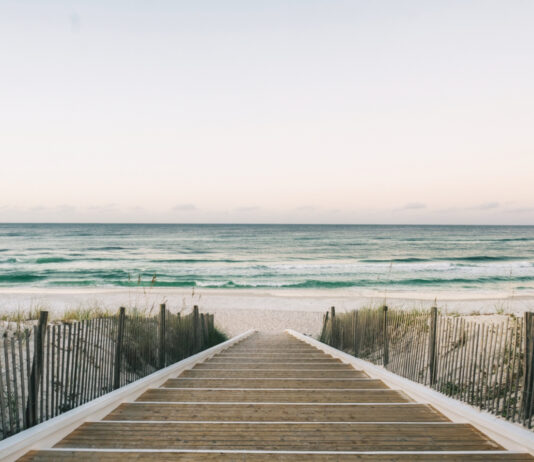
column 18, row 412
column 432, row 361
column 37, row 369
column 118, row 349
column 385, row 359
column 3, row 408
column 66, row 399
column 9, row 393
column 162, row 328
column 22, row 384
column 47, row 377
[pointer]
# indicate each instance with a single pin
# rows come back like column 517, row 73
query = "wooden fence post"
column 206, row 329
column 162, row 310
column 528, row 370
column 196, row 329
column 432, row 358
column 211, row 324
column 333, row 330
column 354, row 332
column 386, row 340
column 118, row 350
column 37, row 369
column 323, row 329
column 202, row 331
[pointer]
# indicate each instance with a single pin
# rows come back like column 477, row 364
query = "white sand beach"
column 266, row 310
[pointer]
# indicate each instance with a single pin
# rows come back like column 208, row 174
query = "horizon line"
column 250, row 224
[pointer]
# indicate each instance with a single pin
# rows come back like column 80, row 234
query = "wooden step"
column 273, row 373
column 275, row 383
column 280, row 436
column 232, row 412
column 273, row 358
column 321, row 365
column 274, row 396
column 271, row 346
column 268, row 360
column 263, row 351
column 92, row 456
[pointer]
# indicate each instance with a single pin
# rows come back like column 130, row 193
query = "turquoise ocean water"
column 268, row 256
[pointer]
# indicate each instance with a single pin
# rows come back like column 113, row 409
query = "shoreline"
column 442, row 296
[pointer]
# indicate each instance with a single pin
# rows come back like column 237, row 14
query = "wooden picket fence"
column 51, row 368
column 485, row 361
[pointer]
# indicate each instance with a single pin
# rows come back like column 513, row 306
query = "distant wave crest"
column 52, row 260
column 472, row 258
column 14, row 278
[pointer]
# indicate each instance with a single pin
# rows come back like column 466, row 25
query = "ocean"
column 268, row 256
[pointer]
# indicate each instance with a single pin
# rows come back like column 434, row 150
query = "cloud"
column 75, row 22
column 65, row 208
column 486, row 206
column 103, row 208
column 521, row 210
column 413, row 206
column 184, row 208
column 306, row 208
column 249, row 209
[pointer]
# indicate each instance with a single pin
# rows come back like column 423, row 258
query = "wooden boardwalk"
column 275, row 398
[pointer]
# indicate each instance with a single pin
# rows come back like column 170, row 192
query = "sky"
column 267, row 111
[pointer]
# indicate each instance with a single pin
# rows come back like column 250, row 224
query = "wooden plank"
column 273, row 351
column 322, row 365
column 273, row 359
column 68, row 370
column 118, row 349
column 21, row 371
column 19, row 411
column 273, row 347
column 61, row 376
column 5, row 369
column 73, row 456
column 4, row 415
column 275, row 396
column 357, row 383
column 273, row 373
column 276, row 413
column 265, row 436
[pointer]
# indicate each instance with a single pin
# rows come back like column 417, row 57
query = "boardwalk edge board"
column 50, row 432
column 509, row 435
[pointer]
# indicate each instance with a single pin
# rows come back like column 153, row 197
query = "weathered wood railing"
column 486, row 361
column 49, row 368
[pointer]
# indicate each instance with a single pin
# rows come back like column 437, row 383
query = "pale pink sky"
column 279, row 111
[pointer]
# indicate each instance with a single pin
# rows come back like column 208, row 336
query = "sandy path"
column 235, row 321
